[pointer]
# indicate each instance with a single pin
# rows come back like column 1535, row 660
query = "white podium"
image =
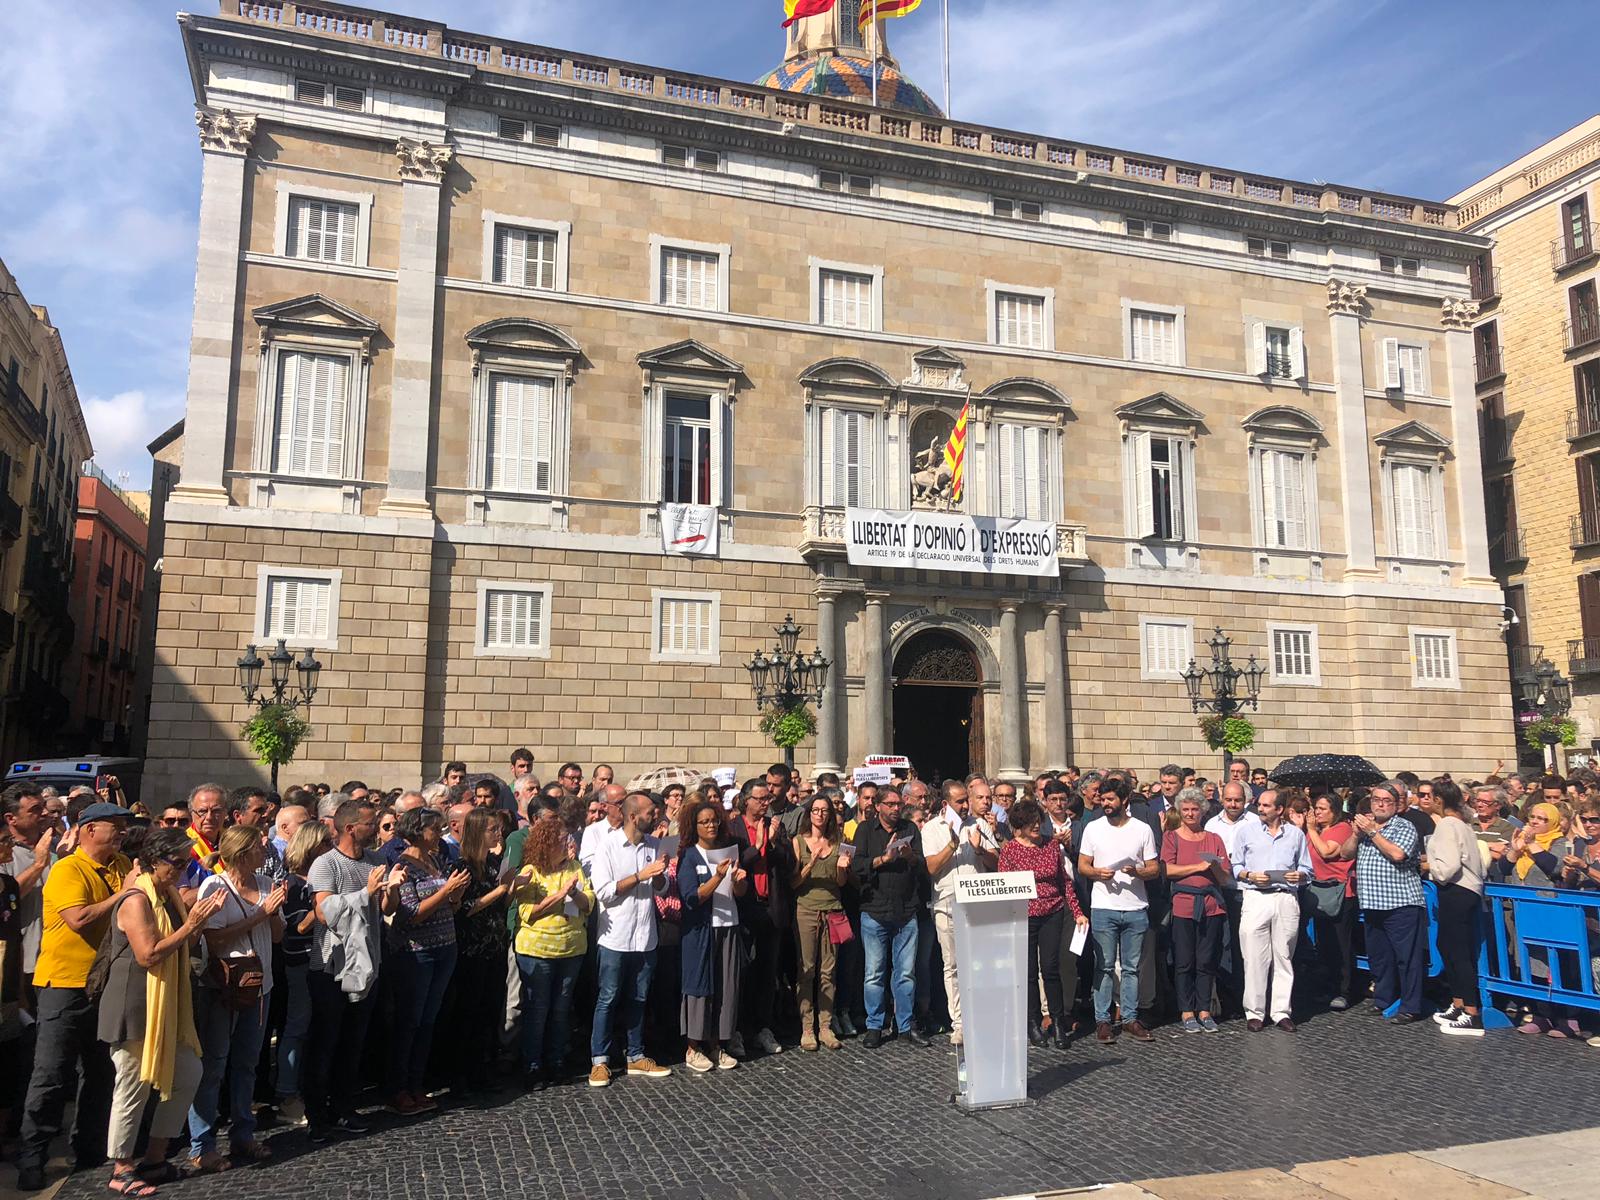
column 992, row 964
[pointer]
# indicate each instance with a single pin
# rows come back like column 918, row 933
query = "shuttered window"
column 513, row 620
column 518, row 457
column 1166, row 648
column 686, row 443
column 1155, row 337
column 1024, row 472
column 297, row 609
column 846, row 455
column 845, row 300
column 1158, row 467
column 1294, row 656
column 323, row 230
column 1412, row 499
column 689, row 279
column 524, row 257
column 310, row 416
column 685, row 626
column 1019, row 320
column 1285, row 521
column 1433, row 658
column 1405, row 367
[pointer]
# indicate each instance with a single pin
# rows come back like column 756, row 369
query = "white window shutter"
column 1038, row 443
column 1144, row 524
column 1297, row 353
column 828, row 459
column 1271, row 513
column 347, row 233
column 1177, row 454
column 1391, row 364
column 1258, row 349
column 507, row 264
column 288, row 366
column 333, row 370
column 1010, row 467
column 855, row 450
column 544, row 460
column 1292, row 488
column 1425, row 513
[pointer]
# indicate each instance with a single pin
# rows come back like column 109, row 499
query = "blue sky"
column 99, row 187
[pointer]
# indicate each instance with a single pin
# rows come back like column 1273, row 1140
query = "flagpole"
column 874, row 54
column 947, row 57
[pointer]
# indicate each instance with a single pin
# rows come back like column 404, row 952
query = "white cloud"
column 121, row 426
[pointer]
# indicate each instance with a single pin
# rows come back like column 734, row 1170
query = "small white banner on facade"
column 999, row 885
column 688, row 529
column 935, row 541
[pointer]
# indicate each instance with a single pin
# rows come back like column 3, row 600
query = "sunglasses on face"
column 172, row 822
column 1590, row 820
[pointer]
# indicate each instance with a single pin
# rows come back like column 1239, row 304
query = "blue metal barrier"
column 1548, row 928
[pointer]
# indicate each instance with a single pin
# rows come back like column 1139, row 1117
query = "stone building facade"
column 470, row 315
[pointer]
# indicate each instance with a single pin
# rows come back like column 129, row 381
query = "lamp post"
column 789, row 677
column 278, row 691
column 1222, row 679
column 1546, row 695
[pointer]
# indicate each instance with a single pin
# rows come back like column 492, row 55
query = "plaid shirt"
column 1381, row 883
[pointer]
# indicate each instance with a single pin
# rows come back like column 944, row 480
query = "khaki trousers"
column 944, row 924
column 817, row 958
column 129, row 1093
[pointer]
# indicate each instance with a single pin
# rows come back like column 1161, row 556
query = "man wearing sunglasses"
column 1582, row 866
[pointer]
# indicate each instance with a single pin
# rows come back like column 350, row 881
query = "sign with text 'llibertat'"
column 934, row 541
column 996, row 885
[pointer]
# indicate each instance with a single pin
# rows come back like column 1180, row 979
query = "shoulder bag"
column 238, row 978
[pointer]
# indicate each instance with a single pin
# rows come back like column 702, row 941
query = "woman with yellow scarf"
column 147, row 1011
column 1538, row 848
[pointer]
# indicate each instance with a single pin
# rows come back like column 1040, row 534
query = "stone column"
column 422, row 169
column 1012, row 712
column 875, row 630
column 1468, row 466
column 830, row 712
column 208, row 420
column 1346, row 303
column 1055, row 691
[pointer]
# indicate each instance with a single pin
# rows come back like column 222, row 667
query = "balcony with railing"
column 10, row 519
column 1495, row 441
column 1490, row 364
column 103, row 575
column 1568, row 252
column 17, row 403
column 1582, row 330
column 122, row 660
column 1585, row 529
column 1583, row 656
column 124, row 589
column 1506, row 548
column 1583, row 421
column 1485, row 284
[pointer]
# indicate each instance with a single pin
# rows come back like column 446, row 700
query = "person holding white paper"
column 1272, row 864
column 1197, row 863
column 956, row 844
column 1031, row 850
column 1117, row 854
column 712, row 947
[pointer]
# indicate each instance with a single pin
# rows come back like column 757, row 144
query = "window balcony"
column 1485, row 284
column 8, row 630
column 1490, row 364
column 10, row 520
column 1582, row 422
column 16, row 402
column 1585, row 529
column 1583, row 656
column 1584, row 331
column 124, row 589
column 1496, row 447
column 122, row 660
column 1507, row 548
column 1280, row 366
column 1565, row 253
column 103, row 575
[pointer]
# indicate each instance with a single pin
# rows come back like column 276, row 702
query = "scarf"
column 168, row 1003
column 203, row 850
column 1551, row 835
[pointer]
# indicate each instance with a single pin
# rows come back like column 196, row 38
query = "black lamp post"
column 1222, row 679
column 790, row 676
column 1547, row 695
column 278, row 690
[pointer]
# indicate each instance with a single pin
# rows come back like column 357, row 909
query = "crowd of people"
column 237, row 958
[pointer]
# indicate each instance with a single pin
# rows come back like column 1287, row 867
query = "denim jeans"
column 890, row 947
column 625, row 982
column 291, row 1042
column 547, row 985
column 1118, row 930
column 230, row 1042
column 423, row 977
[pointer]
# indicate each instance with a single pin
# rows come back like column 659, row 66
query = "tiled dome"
column 851, row 79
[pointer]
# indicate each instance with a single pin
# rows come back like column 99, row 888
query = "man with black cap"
column 82, row 889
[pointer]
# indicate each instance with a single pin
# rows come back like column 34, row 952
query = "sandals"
column 159, row 1172
column 125, row 1182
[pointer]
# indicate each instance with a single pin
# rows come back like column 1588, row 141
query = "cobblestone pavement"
column 880, row 1126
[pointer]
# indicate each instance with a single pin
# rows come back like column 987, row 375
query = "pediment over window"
column 316, row 316
column 1415, row 437
column 847, row 374
column 1161, row 409
column 1025, row 390
column 1284, row 421
column 690, row 357
column 937, row 370
column 520, row 338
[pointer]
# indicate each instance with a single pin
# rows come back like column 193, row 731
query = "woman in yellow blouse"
column 553, row 901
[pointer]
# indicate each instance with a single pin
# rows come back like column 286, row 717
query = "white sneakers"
column 696, row 1061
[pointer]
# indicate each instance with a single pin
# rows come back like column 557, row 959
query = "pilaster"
column 1055, row 692
column 1347, row 303
column 876, row 633
column 1012, row 765
column 1457, row 317
column 830, row 712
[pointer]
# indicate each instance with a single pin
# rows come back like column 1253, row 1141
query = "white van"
column 64, row 774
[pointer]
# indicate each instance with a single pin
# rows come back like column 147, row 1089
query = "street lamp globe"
column 308, row 669
column 250, row 672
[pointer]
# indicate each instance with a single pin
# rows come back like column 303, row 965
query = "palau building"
column 487, row 334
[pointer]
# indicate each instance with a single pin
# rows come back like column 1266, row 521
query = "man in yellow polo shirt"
column 79, row 895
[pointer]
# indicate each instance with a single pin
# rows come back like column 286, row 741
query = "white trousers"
column 1269, row 929
column 944, row 924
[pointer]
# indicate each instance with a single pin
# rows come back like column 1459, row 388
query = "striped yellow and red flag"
column 796, row 10
column 882, row 10
column 955, row 452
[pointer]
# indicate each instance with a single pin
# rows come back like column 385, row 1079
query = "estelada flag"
column 882, row 10
column 797, row 9
column 955, row 450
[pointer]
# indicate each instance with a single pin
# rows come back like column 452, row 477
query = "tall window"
column 297, row 608
column 1414, row 513
column 846, row 457
column 524, row 257
column 1279, row 364
column 1024, row 469
column 689, row 279
column 310, row 414
column 1405, row 367
column 849, row 23
column 521, row 409
column 1154, row 337
column 1585, row 314
column 845, row 299
column 1575, row 228
column 324, row 230
column 1159, row 486
column 1586, row 392
column 687, row 450
column 1020, row 320
column 1285, row 521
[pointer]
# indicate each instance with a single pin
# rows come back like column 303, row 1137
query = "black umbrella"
column 1330, row 770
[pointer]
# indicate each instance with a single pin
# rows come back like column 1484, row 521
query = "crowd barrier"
column 1531, row 933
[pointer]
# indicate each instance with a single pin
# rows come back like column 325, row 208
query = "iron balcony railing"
column 1582, row 330
column 1496, row 436
column 1566, row 251
column 1585, row 529
column 1508, row 547
column 1583, row 656
column 1489, row 362
column 1583, row 421
column 1485, row 284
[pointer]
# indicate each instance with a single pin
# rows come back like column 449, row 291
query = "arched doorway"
column 938, row 705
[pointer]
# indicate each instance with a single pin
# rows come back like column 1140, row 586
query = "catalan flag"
column 882, row 10
column 796, row 10
column 955, row 450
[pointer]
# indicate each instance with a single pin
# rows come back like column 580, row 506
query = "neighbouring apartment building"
column 43, row 442
column 486, row 333
column 1537, row 364
column 107, row 606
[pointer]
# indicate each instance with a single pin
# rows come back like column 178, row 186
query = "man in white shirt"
column 626, row 872
column 1271, row 864
column 1234, row 818
column 609, row 799
column 954, row 843
column 1117, row 854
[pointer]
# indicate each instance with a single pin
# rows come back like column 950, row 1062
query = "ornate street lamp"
column 1222, row 681
column 278, row 690
column 1546, row 696
column 790, row 677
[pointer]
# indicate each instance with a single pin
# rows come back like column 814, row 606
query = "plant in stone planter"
column 1233, row 734
column 786, row 728
column 274, row 734
column 1551, row 731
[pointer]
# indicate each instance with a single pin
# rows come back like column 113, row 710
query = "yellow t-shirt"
column 65, row 956
column 558, row 934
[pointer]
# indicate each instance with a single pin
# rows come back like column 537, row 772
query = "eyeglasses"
column 172, row 822
column 1590, row 820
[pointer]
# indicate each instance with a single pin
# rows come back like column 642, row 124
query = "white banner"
column 688, row 529
column 997, row 885
column 934, row 541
